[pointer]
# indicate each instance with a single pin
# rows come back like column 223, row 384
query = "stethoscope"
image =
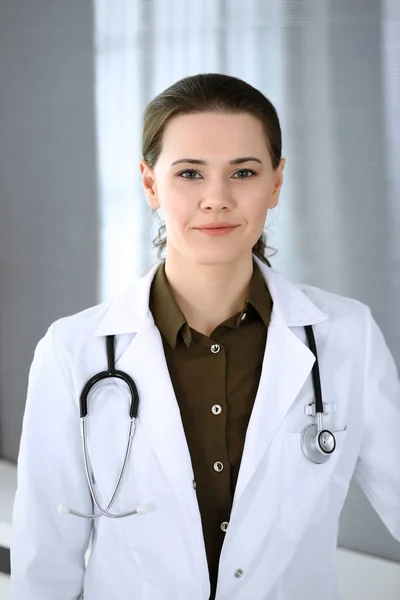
column 317, row 443
column 111, row 372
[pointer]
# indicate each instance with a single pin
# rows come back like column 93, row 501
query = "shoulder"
column 81, row 324
column 336, row 306
column 77, row 337
column 69, row 334
column 348, row 320
column 300, row 303
column 124, row 313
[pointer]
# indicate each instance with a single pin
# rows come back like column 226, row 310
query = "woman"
column 237, row 505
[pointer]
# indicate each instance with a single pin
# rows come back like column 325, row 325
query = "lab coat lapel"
column 286, row 366
column 159, row 410
column 143, row 358
column 160, row 417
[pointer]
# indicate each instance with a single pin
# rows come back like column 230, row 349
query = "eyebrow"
column 235, row 161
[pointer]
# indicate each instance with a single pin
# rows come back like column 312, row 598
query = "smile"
column 217, row 229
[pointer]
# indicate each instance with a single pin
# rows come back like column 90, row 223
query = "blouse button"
column 218, row 466
column 216, row 409
column 224, row 526
column 215, row 348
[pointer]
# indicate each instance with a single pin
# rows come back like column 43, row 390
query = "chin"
column 209, row 258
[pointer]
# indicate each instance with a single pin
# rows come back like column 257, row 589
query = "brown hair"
column 210, row 92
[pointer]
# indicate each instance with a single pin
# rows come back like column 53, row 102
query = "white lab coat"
column 283, row 527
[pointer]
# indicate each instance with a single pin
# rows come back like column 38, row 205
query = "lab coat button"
column 224, row 525
column 238, row 573
column 218, row 466
column 215, row 348
column 216, row 409
column 194, row 484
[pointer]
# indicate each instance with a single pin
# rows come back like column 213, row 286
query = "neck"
column 209, row 294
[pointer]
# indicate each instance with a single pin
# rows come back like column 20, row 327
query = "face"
column 215, row 183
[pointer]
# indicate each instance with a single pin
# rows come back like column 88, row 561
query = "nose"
column 217, row 196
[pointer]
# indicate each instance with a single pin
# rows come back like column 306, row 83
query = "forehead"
column 203, row 134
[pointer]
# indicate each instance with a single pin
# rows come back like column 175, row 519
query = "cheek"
column 177, row 202
column 177, row 210
column 255, row 206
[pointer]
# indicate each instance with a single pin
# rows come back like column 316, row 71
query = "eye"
column 244, row 174
column 189, row 174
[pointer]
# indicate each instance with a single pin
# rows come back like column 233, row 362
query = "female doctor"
column 234, row 475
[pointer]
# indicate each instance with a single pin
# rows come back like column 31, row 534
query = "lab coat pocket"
column 306, row 486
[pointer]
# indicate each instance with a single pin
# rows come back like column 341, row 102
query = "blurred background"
column 75, row 77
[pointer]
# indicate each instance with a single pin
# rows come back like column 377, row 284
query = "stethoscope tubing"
column 90, row 475
column 315, row 374
column 111, row 372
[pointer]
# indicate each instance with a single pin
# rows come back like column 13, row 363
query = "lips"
column 216, row 226
column 216, row 229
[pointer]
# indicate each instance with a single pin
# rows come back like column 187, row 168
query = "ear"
column 149, row 184
column 277, row 183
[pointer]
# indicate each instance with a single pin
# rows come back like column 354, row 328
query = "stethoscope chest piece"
column 317, row 445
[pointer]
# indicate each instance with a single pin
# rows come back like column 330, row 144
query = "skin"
column 210, row 275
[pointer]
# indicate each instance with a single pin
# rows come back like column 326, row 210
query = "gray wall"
column 48, row 206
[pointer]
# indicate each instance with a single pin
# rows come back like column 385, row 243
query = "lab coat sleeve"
column 378, row 467
column 48, row 549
